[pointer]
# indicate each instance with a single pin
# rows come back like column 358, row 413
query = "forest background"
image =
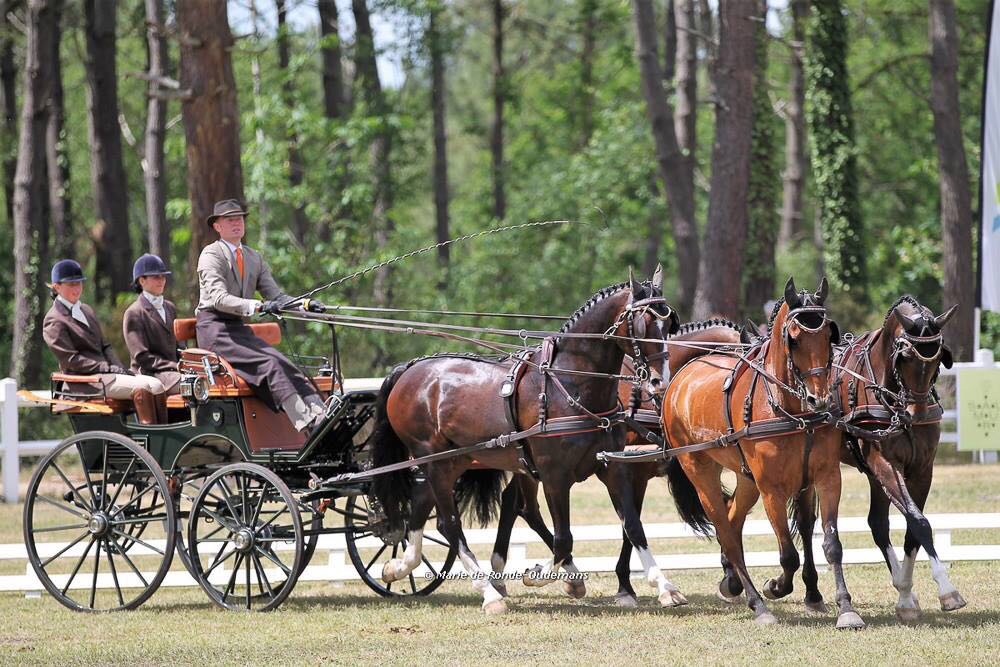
column 734, row 142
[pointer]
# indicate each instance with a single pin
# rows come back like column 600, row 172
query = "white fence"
column 337, row 567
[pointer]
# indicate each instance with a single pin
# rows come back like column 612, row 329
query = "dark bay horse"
column 520, row 496
column 443, row 403
column 786, row 379
column 892, row 422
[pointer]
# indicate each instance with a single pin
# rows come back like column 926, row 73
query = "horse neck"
column 881, row 352
column 776, row 360
column 592, row 354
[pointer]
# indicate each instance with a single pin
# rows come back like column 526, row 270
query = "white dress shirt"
column 74, row 309
column 157, row 303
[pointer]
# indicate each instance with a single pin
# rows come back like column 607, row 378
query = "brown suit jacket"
column 151, row 341
column 77, row 348
column 221, row 288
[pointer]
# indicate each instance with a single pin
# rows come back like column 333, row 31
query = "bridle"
column 633, row 316
column 798, row 376
column 907, row 344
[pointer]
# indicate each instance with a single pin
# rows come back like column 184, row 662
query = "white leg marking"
column 480, row 581
column 538, row 576
column 668, row 594
column 940, row 573
column 902, row 579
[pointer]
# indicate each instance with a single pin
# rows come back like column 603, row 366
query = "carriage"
column 227, row 484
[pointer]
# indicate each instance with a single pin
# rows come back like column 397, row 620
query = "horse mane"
column 597, row 297
column 906, row 298
column 774, row 314
column 688, row 327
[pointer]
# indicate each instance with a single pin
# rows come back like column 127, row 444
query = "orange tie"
column 239, row 261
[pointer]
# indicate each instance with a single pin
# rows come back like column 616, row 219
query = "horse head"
column 648, row 321
column 804, row 335
column 918, row 349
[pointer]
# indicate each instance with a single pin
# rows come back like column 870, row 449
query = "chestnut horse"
column 892, row 424
column 438, row 404
column 520, row 498
column 786, row 379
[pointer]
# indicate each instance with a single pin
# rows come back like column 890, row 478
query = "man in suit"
column 148, row 325
column 72, row 332
column 229, row 275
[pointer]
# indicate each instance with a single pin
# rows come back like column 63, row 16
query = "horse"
column 439, row 404
column 891, row 426
column 771, row 427
column 520, row 497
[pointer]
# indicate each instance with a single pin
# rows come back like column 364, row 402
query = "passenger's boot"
column 145, row 406
column 162, row 415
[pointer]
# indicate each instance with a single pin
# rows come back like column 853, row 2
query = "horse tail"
column 477, row 493
column 391, row 490
column 802, row 508
column 687, row 501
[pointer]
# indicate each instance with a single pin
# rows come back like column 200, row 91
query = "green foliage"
column 834, row 161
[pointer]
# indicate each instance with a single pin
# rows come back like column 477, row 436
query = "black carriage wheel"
column 369, row 567
column 315, row 525
column 190, row 483
column 241, row 518
column 88, row 523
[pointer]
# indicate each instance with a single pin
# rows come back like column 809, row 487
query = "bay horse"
column 891, row 427
column 520, row 497
column 764, row 411
column 433, row 405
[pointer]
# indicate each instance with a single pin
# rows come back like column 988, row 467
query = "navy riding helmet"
column 67, row 271
column 147, row 265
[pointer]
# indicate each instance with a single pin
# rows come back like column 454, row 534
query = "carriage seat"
column 115, row 405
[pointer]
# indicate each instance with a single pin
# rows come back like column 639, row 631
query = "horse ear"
column 824, row 289
column 943, row 318
column 631, row 282
column 834, row 332
column 748, row 332
column 904, row 319
column 791, row 296
column 658, row 278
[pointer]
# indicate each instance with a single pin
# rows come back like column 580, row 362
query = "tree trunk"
column 8, row 106
column 710, row 42
column 795, row 132
column 156, row 122
column 670, row 38
column 367, row 73
column 686, row 111
column 210, row 114
column 295, row 175
column 834, row 163
column 437, row 48
column 30, row 197
column 499, row 97
column 674, row 172
column 107, row 172
column 263, row 205
column 333, row 73
column 956, row 202
column 654, row 234
column 762, row 196
column 721, row 263
column 56, row 156
column 588, row 21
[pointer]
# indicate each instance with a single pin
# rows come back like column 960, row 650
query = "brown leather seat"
column 115, row 405
column 269, row 332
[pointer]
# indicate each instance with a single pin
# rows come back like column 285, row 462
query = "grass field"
column 346, row 623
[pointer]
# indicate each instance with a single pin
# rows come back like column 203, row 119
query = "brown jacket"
column 151, row 341
column 221, row 288
column 78, row 349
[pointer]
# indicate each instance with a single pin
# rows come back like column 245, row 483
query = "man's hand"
column 118, row 370
column 270, row 307
column 313, row 306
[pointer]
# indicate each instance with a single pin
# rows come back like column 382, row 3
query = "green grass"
column 346, row 623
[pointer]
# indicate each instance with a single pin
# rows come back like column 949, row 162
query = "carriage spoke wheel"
column 245, row 538
column 98, row 530
column 187, row 486
column 370, row 547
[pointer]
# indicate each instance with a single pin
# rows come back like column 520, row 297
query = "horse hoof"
column 672, row 599
column 768, row 591
column 530, row 577
column 626, row 600
column 389, row 570
column 575, row 589
column 908, row 614
column 736, row 599
column 495, row 607
column 952, row 601
column 765, row 618
column 850, row 620
column 817, row 607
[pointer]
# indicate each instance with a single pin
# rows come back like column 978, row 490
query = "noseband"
column 636, row 311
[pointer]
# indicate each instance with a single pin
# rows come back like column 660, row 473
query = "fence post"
column 8, row 436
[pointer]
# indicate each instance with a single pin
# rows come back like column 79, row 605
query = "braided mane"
column 688, row 327
column 774, row 314
column 906, row 298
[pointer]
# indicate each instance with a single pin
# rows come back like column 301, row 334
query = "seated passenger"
column 73, row 334
column 229, row 274
column 148, row 325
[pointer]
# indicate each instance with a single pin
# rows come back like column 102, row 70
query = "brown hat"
column 224, row 208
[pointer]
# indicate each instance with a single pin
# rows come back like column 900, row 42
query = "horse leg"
column 828, row 485
column 505, row 524
column 743, row 499
column 557, row 497
column 442, row 480
column 618, row 481
column 532, row 515
column 919, row 534
column 625, row 597
column 775, row 506
column 420, row 509
column 805, row 517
